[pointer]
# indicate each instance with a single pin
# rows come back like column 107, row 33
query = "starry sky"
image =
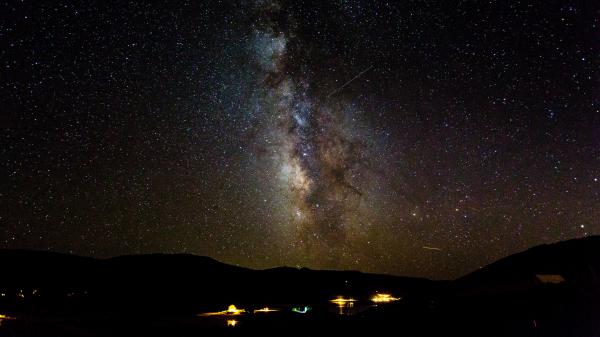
column 417, row 138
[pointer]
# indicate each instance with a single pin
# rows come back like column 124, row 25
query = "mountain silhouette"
column 548, row 290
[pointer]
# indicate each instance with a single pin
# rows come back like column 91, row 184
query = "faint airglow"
column 384, row 298
column 265, row 310
column 232, row 322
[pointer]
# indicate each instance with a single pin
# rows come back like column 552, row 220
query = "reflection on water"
column 232, row 322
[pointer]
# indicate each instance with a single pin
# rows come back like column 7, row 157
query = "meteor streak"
column 350, row 81
column 432, row 248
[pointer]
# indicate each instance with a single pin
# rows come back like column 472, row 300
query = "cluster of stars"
column 411, row 138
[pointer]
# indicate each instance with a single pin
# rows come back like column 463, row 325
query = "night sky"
column 415, row 138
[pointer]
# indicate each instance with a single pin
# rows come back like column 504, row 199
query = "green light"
column 301, row 310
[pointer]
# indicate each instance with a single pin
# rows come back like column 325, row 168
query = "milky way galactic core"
column 316, row 147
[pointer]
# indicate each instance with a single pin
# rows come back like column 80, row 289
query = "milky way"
column 317, row 150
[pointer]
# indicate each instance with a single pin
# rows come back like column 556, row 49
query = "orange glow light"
column 231, row 310
column 341, row 301
column 384, row 298
column 265, row 310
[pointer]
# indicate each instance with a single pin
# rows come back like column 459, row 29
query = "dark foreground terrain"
column 549, row 290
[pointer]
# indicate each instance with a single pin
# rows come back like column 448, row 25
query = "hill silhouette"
column 576, row 261
column 548, row 290
column 178, row 282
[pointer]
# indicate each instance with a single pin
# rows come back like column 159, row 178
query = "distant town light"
column 550, row 278
column 343, row 304
column 341, row 301
column 265, row 310
column 231, row 310
column 4, row 318
column 301, row 310
column 383, row 298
